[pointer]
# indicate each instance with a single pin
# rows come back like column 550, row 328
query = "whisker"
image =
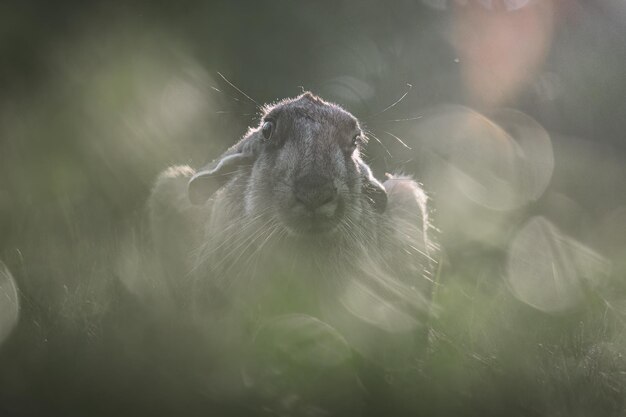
column 204, row 253
column 237, row 88
column 254, row 257
column 400, row 120
column 369, row 133
column 243, row 237
column 395, row 103
column 257, row 234
column 273, row 229
column 398, row 139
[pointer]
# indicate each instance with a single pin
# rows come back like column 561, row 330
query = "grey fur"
column 245, row 256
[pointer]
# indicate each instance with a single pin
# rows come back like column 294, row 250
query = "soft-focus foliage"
column 511, row 113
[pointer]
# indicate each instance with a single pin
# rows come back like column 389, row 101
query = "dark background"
column 96, row 98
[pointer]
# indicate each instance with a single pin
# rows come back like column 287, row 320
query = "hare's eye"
column 267, row 129
column 356, row 140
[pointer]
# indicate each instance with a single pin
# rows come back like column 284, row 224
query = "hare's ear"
column 373, row 189
column 215, row 174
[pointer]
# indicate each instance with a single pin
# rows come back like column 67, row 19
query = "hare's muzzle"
column 316, row 204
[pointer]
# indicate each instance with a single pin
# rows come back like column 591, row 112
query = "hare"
column 289, row 229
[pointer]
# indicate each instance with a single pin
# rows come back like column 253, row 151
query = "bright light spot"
column 484, row 165
column 371, row 307
column 9, row 303
column 501, row 52
column 535, row 160
column 500, row 164
column 550, row 271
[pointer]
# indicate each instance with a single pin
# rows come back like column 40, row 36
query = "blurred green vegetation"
column 96, row 98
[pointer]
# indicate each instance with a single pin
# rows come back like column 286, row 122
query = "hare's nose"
column 315, row 191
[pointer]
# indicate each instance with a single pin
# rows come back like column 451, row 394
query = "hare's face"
column 308, row 170
column 306, row 173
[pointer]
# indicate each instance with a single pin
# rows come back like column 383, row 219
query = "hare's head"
column 301, row 166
